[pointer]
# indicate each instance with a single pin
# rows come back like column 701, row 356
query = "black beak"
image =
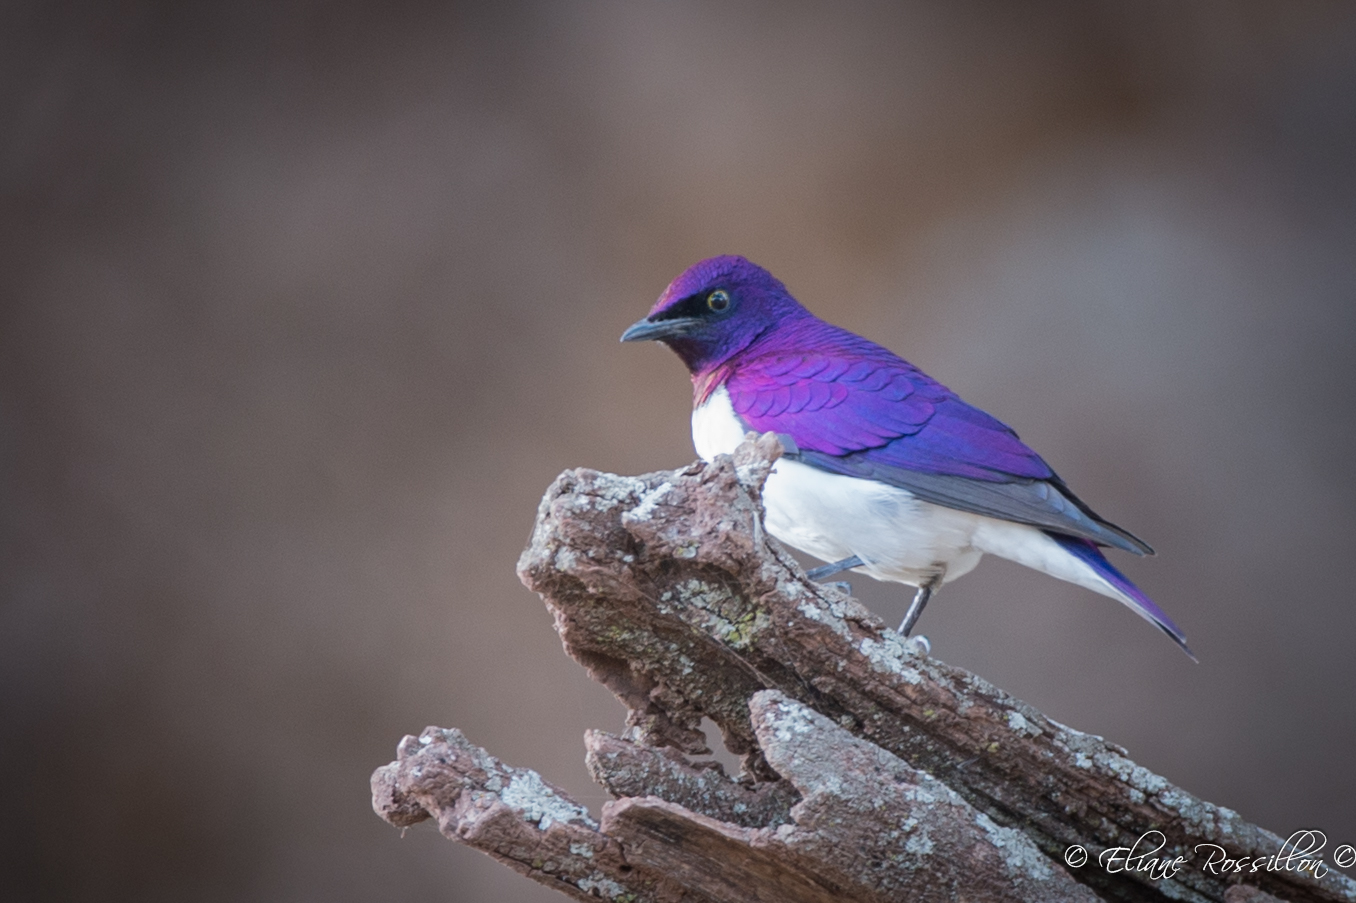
column 652, row 330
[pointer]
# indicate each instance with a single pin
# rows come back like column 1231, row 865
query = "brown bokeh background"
column 303, row 305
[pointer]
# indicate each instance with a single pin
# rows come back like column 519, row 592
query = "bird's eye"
column 718, row 300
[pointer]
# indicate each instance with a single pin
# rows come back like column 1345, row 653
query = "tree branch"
column 666, row 588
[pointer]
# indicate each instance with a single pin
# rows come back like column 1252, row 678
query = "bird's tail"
column 1124, row 590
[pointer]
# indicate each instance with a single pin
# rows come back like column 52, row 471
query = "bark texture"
column 870, row 770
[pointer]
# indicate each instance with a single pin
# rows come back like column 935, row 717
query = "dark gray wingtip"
column 1129, row 541
column 1132, row 542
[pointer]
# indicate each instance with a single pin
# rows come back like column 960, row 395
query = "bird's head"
column 715, row 309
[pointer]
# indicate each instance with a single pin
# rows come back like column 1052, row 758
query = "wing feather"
column 861, row 411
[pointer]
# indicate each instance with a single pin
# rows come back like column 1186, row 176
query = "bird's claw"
column 836, row 567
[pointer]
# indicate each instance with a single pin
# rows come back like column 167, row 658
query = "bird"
column 886, row 472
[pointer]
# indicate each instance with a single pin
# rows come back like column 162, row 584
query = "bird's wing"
column 867, row 413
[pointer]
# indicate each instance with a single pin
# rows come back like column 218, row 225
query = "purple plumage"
column 852, row 396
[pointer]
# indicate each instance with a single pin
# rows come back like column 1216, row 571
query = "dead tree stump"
column 870, row 771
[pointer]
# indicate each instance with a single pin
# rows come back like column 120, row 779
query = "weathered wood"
column 867, row 826
column 512, row 814
column 666, row 588
column 629, row 769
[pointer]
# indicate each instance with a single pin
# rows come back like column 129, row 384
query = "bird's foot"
column 842, row 586
column 919, row 645
column 828, row 570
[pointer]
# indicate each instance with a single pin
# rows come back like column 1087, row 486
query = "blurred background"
column 303, row 305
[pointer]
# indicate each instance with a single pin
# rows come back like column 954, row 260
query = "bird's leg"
column 828, row 570
column 920, row 600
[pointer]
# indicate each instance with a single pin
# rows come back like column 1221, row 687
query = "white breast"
column 716, row 429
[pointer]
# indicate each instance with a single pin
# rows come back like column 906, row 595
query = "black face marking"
column 703, row 305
